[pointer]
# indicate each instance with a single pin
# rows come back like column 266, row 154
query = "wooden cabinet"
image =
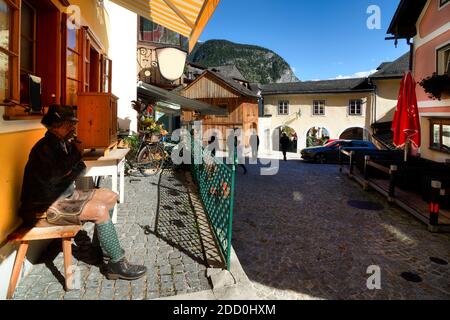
column 97, row 112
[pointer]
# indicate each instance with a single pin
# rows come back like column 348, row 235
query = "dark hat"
column 59, row 114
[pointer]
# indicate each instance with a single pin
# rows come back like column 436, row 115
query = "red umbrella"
column 406, row 123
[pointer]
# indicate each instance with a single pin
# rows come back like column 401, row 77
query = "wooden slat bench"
column 42, row 231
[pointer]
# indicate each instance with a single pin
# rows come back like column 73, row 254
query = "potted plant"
column 155, row 129
column 436, row 85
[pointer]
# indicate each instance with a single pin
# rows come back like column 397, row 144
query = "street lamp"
column 171, row 62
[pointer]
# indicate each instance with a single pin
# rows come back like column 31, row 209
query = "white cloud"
column 361, row 74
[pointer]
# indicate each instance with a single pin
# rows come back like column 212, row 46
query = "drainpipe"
column 411, row 55
column 374, row 102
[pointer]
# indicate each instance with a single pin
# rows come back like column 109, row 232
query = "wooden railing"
column 392, row 171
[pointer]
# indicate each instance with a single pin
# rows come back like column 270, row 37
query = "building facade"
column 65, row 49
column 315, row 111
column 230, row 94
column 63, row 44
column 427, row 24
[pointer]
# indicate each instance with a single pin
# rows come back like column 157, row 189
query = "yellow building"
column 45, row 39
column 334, row 109
column 327, row 109
column 386, row 83
column 50, row 51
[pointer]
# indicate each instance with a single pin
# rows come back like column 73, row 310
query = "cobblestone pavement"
column 300, row 235
column 172, row 251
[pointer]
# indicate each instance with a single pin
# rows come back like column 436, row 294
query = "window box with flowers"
column 436, row 85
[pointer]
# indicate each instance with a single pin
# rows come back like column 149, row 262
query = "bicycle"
column 149, row 153
column 148, row 158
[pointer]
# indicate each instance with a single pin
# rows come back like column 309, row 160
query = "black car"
column 329, row 152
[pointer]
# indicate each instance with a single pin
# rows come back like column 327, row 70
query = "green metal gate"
column 215, row 181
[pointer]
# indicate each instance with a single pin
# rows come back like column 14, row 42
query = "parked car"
column 329, row 152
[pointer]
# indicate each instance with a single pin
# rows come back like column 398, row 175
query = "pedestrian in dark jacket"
column 254, row 144
column 284, row 143
column 49, row 191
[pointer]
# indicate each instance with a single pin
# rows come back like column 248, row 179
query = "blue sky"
column 321, row 39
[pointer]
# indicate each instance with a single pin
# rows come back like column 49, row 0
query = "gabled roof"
column 231, row 83
column 403, row 24
column 229, row 71
column 311, row 87
column 395, row 69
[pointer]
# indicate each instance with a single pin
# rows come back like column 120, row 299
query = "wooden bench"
column 43, row 231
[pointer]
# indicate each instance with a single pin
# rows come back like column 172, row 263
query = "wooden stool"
column 42, row 231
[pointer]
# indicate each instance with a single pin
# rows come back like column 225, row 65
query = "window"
column 106, row 74
column 97, row 68
column 443, row 2
column 319, row 107
column 27, row 38
column 283, row 108
column 72, row 69
column 355, row 107
column 152, row 32
column 440, row 135
column 9, row 50
column 443, row 60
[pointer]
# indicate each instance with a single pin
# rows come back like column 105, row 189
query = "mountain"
column 257, row 64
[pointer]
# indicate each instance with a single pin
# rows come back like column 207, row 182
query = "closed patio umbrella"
column 406, row 123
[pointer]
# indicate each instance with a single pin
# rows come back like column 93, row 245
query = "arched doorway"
column 291, row 133
column 317, row 136
column 353, row 134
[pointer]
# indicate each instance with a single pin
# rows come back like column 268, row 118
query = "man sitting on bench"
column 48, row 190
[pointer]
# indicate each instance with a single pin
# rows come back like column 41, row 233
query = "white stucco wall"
column 336, row 119
column 122, row 50
column 386, row 99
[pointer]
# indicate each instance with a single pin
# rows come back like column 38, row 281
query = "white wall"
column 336, row 119
column 122, row 51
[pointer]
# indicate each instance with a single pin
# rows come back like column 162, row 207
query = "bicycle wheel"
column 150, row 159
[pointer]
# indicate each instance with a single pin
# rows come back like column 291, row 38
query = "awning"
column 170, row 97
column 186, row 17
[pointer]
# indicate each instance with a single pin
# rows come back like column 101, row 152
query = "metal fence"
column 215, row 181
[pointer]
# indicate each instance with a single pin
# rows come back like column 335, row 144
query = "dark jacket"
column 51, row 170
column 284, row 142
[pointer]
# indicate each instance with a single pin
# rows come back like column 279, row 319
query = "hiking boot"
column 124, row 270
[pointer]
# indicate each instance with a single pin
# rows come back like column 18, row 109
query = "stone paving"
column 172, row 250
column 303, row 234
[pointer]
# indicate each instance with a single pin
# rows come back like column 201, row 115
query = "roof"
column 325, row 86
column 233, row 84
column 170, row 97
column 395, row 69
column 229, row 71
column 256, row 88
column 382, row 65
column 403, row 24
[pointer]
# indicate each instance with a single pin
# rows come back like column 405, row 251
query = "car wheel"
column 321, row 158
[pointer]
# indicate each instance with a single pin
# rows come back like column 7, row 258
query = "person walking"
column 284, row 143
column 254, row 144
column 212, row 145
